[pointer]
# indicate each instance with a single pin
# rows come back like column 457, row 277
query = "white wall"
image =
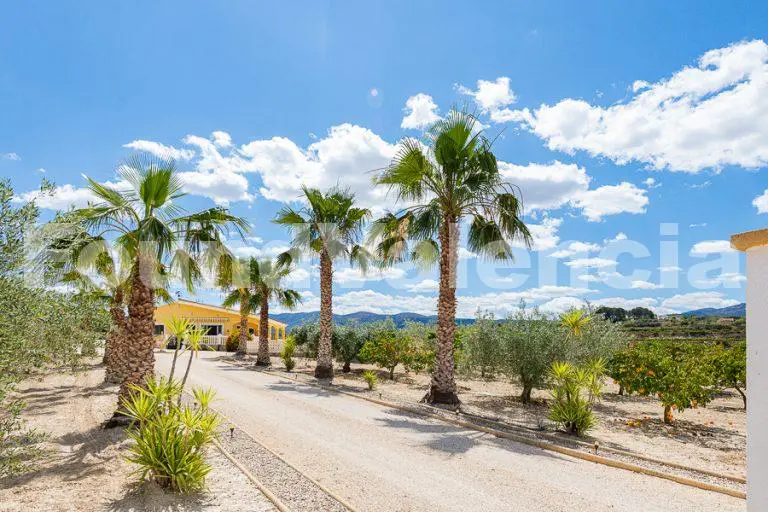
column 757, row 379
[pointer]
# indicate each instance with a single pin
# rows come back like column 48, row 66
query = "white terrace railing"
column 214, row 341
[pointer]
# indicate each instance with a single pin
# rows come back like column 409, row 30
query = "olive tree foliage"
column 483, row 352
column 39, row 327
column 347, row 342
column 530, row 343
column 525, row 345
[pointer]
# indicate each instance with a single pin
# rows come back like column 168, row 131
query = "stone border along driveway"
column 293, row 488
column 279, row 481
column 660, row 469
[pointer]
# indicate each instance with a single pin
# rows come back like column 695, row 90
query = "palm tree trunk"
column 242, row 345
column 262, row 358
column 324, row 367
column 112, row 351
column 443, row 387
column 138, row 348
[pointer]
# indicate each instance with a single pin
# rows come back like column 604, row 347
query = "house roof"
column 221, row 309
column 744, row 241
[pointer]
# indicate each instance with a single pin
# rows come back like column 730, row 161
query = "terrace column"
column 755, row 244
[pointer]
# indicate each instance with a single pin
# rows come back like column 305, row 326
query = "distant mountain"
column 739, row 310
column 362, row 317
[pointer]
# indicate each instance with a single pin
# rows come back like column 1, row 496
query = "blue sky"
column 627, row 127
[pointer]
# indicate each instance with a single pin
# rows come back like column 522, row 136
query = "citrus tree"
column 679, row 374
column 730, row 365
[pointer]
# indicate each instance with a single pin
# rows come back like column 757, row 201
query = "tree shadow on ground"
column 453, row 439
column 709, row 436
column 149, row 497
column 81, row 455
column 298, row 388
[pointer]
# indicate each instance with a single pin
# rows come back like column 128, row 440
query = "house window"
column 274, row 333
column 213, row 329
column 251, row 331
column 159, row 330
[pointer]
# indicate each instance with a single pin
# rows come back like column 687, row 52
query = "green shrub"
column 730, row 367
column 574, row 391
column 679, row 374
column 169, row 438
column 233, row 340
column 286, row 354
column 370, row 378
column 388, row 347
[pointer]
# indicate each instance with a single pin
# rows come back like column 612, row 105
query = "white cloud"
column 576, row 248
column 761, row 202
column 222, row 187
column 425, row 286
column 492, row 97
column 727, row 279
column 466, row 254
column 602, row 276
column 298, row 276
column 708, row 116
column 651, row 183
column 271, row 251
column 11, row 156
column 670, row 269
column 60, row 198
column 500, row 304
column 221, row 139
column 160, row 150
column 355, row 275
column 697, row 300
column 645, row 285
column 611, row 200
column 711, row 247
column 420, row 112
column 346, row 156
column 544, row 234
column 546, row 186
column 255, row 239
column 591, row 263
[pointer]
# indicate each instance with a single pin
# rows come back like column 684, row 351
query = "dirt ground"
column 712, row 438
column 83, row 467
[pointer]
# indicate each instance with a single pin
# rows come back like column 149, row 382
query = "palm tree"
column 159, row 238
column 268, row 288
column 237, row 275
column 451, row 176
column 257, row 283
column 329, row 226
column 70, row 255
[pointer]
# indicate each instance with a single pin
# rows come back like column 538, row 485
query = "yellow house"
column 218, row 322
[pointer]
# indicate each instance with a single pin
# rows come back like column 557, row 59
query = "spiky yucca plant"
column 169, row 438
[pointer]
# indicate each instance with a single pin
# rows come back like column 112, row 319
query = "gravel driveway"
column 378, row 458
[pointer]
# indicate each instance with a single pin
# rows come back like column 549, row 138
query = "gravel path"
column 382, row 459
column 294, row 489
